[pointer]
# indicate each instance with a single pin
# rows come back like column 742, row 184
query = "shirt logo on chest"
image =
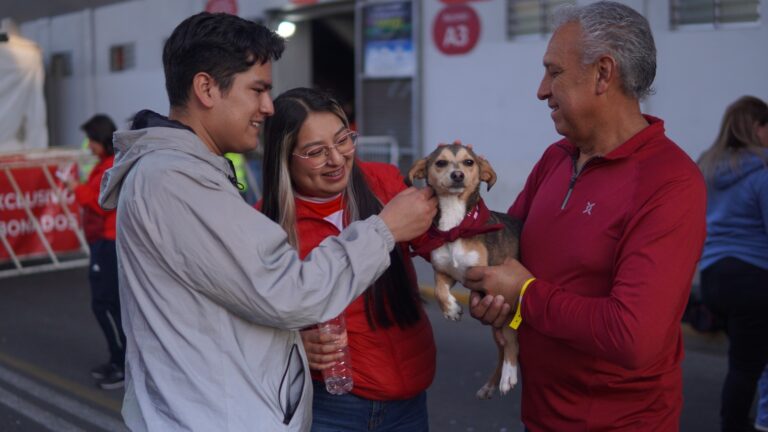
column 588, row 208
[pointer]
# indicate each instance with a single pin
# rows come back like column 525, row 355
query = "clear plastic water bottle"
column 338, row 378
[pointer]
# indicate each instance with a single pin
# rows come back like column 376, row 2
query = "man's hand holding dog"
column 501, row 284
column 409, row 214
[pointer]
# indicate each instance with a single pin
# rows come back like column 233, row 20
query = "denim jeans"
column 350, row 413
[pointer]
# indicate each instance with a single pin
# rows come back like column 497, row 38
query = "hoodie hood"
column 726, row 175
column 151, row 132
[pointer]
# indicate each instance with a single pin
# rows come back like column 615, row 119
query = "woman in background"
column 99, row 227
column 314, row 187
column 734, row 263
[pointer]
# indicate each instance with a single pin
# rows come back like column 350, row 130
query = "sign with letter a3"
column 456, row 29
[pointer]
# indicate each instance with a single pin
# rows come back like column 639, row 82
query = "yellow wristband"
column 518, row 319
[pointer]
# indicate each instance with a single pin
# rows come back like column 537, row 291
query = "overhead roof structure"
column 25, row 10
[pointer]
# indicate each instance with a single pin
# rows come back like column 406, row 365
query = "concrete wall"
column 93, row 88
column 72, row 98
column 89, row 34
column 486, row 97
column 123, row 93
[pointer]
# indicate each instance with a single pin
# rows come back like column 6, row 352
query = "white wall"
column 89, row 34
column 256, row 9
column 93, row 88
column 701, row 73
column 121, row 94
column 488, row 96
column 66, row 33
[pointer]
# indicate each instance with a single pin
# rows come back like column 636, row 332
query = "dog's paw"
column 508, row 378
column 453, row 311
column 486, row 391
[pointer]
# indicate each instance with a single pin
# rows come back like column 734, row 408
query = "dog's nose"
column 457, row 176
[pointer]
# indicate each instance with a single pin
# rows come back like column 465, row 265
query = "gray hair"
column 621, row 32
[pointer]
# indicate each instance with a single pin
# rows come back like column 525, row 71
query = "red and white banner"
column 24, row 184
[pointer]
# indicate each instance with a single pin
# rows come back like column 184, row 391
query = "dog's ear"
column 487, row 174
column 417, row 171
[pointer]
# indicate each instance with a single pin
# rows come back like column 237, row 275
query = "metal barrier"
column 40, row 228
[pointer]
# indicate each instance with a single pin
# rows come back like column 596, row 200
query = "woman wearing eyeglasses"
column 313, row 187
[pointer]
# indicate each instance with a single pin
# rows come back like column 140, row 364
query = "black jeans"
column 105, row 297
column 738, row 292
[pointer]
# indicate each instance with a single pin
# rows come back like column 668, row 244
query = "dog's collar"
column 474, row 223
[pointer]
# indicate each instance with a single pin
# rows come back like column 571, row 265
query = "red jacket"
column 97, row 222
column 387, row 364
column 600, row 344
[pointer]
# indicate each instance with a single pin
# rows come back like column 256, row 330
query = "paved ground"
column 49, row 340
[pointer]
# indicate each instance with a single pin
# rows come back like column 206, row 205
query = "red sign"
column 45, row 203
column 456, row 29
column 225, row 6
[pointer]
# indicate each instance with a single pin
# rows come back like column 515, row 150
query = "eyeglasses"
column 318, row 155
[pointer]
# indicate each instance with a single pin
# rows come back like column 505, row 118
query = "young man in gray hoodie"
column 212, row 293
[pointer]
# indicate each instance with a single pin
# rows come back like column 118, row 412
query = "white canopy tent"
column 22, row 103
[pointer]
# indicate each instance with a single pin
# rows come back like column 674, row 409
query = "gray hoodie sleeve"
column 211, row 241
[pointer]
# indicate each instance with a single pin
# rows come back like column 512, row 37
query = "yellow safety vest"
column 238, row 160
column 87, row 164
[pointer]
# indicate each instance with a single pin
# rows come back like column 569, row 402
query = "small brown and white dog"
column 465, row 234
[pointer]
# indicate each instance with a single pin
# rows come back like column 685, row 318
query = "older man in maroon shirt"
column 614, row 223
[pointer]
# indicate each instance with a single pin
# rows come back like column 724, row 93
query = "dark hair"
column 100, row 128
column 219, row 44
column 392, row 299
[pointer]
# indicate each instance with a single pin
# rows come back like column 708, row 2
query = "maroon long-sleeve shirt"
column 614, row 250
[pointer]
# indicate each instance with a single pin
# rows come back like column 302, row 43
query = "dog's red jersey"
column 387, row 364
column 600, row 344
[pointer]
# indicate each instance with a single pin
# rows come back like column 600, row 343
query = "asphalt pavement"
column 49, row 340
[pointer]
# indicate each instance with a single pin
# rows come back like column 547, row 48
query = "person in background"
column 314, row 187
column 734, row 264
column 213, row 293
column 613, row 224
column 99, row 228
column 761, row 419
